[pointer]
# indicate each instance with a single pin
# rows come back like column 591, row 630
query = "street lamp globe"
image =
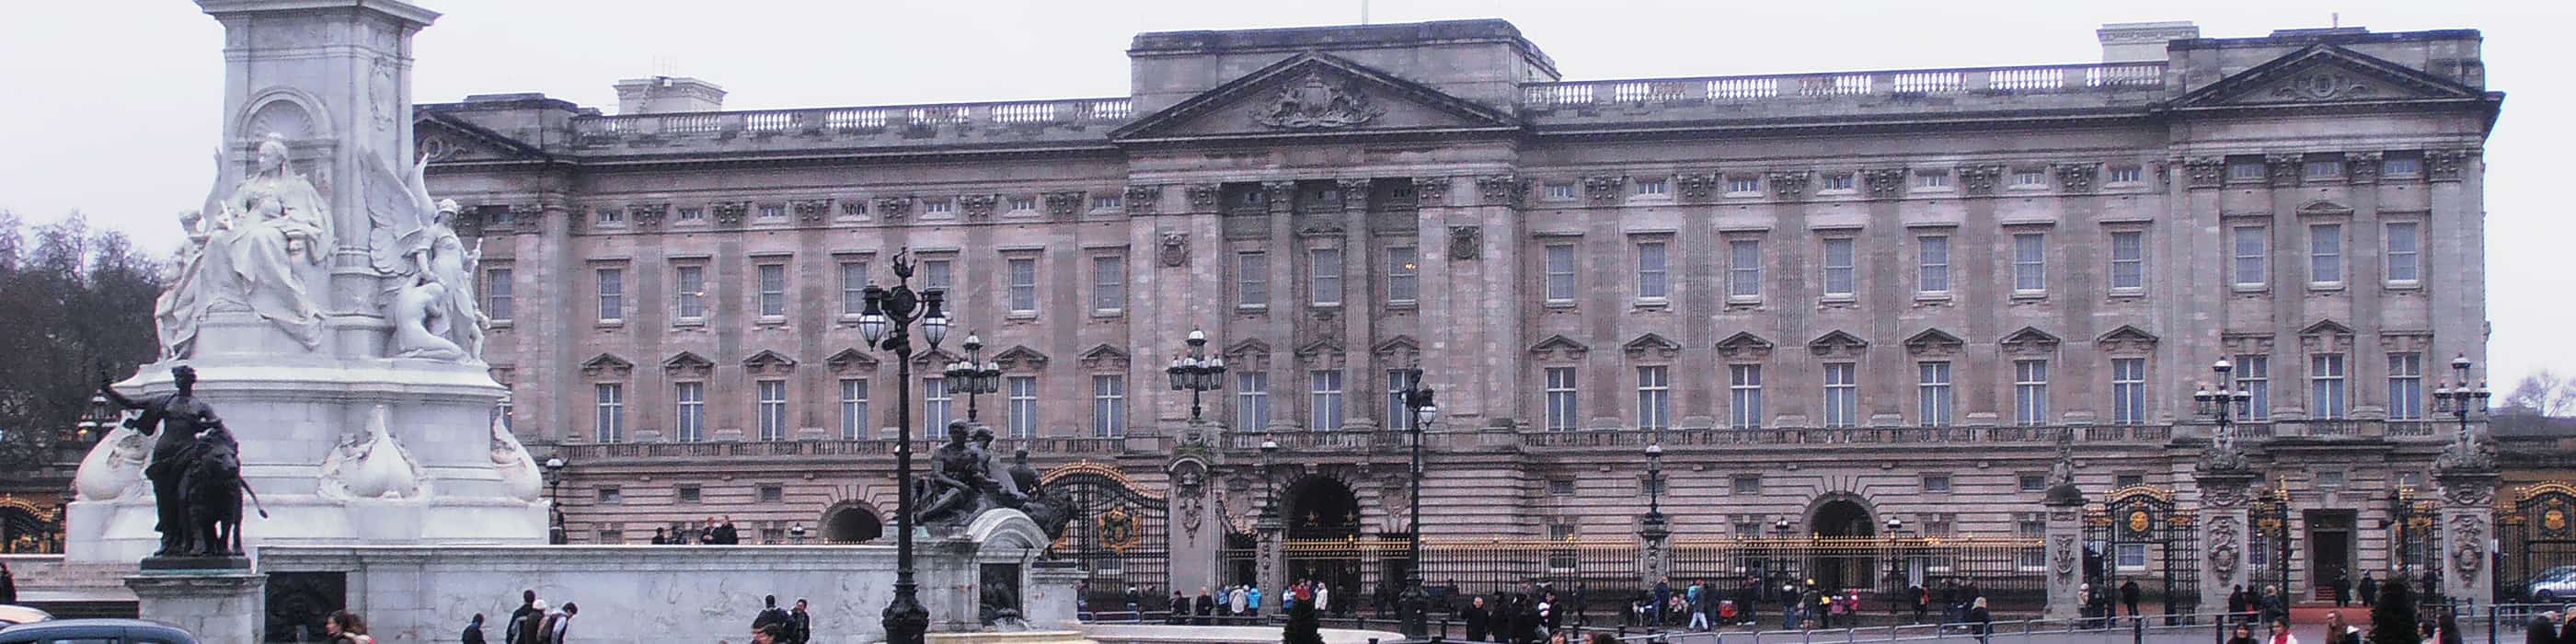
column 934, row 325
column 554, row 463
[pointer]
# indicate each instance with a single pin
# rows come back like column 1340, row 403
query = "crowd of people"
column 718, row 531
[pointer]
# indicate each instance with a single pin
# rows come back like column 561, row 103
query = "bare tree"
column 75, row 304
column 2544, row 393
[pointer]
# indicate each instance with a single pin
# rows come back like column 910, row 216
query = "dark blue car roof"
column 128, row 629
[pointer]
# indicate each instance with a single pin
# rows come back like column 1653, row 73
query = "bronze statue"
column 951, row 494
column 176, row 417
column 212, row 487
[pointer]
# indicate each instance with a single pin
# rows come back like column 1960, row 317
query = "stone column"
column 215, row 605
column 2223, row 523
column 2467, row 529
column 1273, row 559
column 1654, row 562
column 2065, row 547
column 1196, row 533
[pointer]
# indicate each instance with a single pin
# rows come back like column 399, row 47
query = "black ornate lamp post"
column 1653, row 528
column 1197, row 372
column 2222, row 403
column 1270, row 524
column 1413, row 602
column 2459, row 399
column 554, row 500
column 972, row 376
column 886, row 324
column 797, row 532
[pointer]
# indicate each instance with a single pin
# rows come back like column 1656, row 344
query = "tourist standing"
column 2238, row 605
column 473, row 631
column 1252, row 600
column 2276, row 608
column 2342, row 587
column 2369, row 589
column 707, row 534
column 344, row 627
column 2129, row 593
column 2281, row 632
column 661, row 537
column 1477, row 624
column 1980, row 620
column 559, row 625
column 800, row 624
column 725, row 534
column 769, row 613
column 2337, row 632
column 8, row 584
column 1205, row 607
column 510, row 633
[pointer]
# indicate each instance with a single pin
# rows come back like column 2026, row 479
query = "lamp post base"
column 905, row 619
column 1413, row 605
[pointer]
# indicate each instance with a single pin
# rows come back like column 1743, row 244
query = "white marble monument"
column 327, row 309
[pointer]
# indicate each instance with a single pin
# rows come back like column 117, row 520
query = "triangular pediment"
column 1320, row 347
column 2327, row 327
column 1019, row 357
column 1651, row 345
column 2325, row 74
column 687, row 363
column 768, row 358
column 1837, row 340
column 1933, row 340
column 2126, row 333
column 2029, row 340
column 1315, row 93
column 850, row 360
column 606, row 364
column 1559, row 344
column 1248, row 347
column 445, row 138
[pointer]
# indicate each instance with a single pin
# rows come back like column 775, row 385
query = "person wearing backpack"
column 769, row 614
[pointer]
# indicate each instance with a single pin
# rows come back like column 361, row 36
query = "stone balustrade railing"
column 1906, row 82
column 856, row 120
column 1297, row 442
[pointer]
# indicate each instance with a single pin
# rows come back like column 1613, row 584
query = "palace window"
column 2253, row 255
column 2406, row 386
column 1325, row 275
column 1251, row 400
column 611, row 216
column 1324, row 398
column 1744, row 396
column 773, row 211
column 1655, row 187
column 1842, row 394
column 497, row 298
column 693, row 214
column 854, row 408
column 1108, row 284
column 2029, row 179
column 689, row 413
column 1932, row 179
column 2254, row 376
column 2245, row 170
column 1932, row 393
column 939, row 274
column 1251, row 279
column 1560, row 274
column 611, row 424
column 1024, row 204
column 2324, row 169
column 854, row 287
column 1744, row 269
column 1838, row 181
column 1561, row 412
column 1023, row 391
column 1403, row 274
column 610, row 496
column 1652, row 278
column 2326, row 392
column 2401, row 167
column 689, row 293
column 1936, row 483
column 2128, row 391
column 938, row 205
column 1112, row 201
column 689, row 494
column 612, row 294
column 2405, row 253
column 2030, row 263
column 2030, row 392
column 773, row 290
column 1744, row 185
column 2128, row 261
column 773, row 409
column 2125, row 174
column 2325, row 255
column 1654, row 397
column 2033, row 482
column 1839, row 273
column 1932, row 265
column 1108, row 405
column 1563, row 191
column 1023, row 276
column 1398, row 416
column 937, row 406
column 1745, row 483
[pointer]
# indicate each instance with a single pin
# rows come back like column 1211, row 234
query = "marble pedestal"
column 215, row 605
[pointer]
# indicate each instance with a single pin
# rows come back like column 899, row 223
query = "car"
column 2552, row 585
column 14, row 614
column 95, row 631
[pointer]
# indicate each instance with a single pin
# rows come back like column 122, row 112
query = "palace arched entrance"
column 852, row 524
column 1323, row 525
column 1843, row 531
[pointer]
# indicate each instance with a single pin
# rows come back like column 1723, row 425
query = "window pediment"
column 2126, row 340
column 1744, row 345
column 2029, row 341
column 1934, row 343
column 1837, row 344
column 1558, row 348
column 607, row 365
column 686, row 364
column 1651, row 347
column 850, row 361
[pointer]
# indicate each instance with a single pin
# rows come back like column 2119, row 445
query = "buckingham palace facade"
column 1844, row 302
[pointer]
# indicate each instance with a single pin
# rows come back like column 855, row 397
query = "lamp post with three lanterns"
column 1197, row 372
column 972, row 376
column 1413, row 603
column 886, row 324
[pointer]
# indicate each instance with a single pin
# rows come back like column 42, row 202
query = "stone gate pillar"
column 1197, row 533
column 2065, row 549
column 2224, row 497
column 2468, row 534
column 1654, row 560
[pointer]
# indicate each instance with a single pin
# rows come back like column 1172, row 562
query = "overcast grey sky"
column 116, row 105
